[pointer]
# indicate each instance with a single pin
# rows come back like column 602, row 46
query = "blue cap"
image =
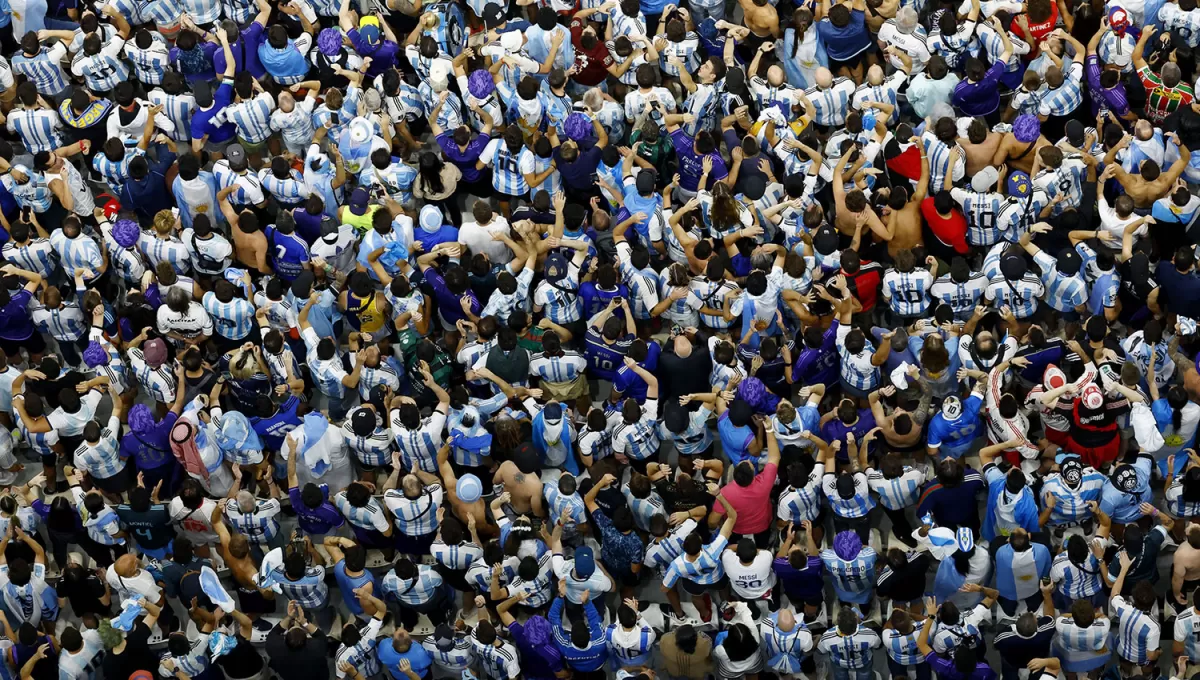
column 469, row 488
column 1018, row 184
column 585, row 562
column 370, row 35
column 552, row 412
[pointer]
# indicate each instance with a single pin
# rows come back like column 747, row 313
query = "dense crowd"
column 739, row 339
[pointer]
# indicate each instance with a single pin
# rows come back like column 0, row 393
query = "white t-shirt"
column 72, row 424
column 753, row 581
column 478, row 238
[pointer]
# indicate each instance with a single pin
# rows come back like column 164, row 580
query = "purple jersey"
column 319, row 520
column 820, row 365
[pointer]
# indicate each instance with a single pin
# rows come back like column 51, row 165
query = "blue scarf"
column 568, row 436
column 947, row 581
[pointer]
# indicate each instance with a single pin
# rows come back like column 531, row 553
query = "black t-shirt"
column 1018, row 651
column 151, row 529
column 242, row 662
column 906, row 584
column 679, row 376
column 296, row 664
column 84, row 595
column 579, row 174
column 135, row 657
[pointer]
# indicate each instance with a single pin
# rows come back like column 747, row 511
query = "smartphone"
column 333, row 118
column 1046, row 581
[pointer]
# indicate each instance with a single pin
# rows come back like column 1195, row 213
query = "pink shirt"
column 752, row 503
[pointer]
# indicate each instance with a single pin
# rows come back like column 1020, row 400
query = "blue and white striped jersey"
column 116, row 173
column 456, row 658
column 1064, row 99
column 179, row 108
column 1136, row 634
column 638, row 440
column 831, row 106
column 557, row 369
column 902, row 649
column 416, row 591
column 150, row 64
column 374, row 450
column 1071, row 503
column 898, row 493
column 309, row 591
column 853, row 580
column 1063, row 293
column 37, row 256
column 706, row 569
column 456, row 557
column 170, row 250
column 259, row 527
column 1074, row 643
column 202, row 11
column 508, row 169
column 907, row 293
column 1076, row 582
column 857, row 369
column 797, row 505
column 102, row 71
column 785, row 649
column 569, row 509
column 1187, row 631
column 290, row 191
column 1066, row 181
column 696, row 438
column 630, row 647
column 660, row 553
column 1021, row 296
column 39, row 129
column 369, row 517
column 939, row 160
column 644, row 508
column 419, row 446
column 856, row 506
column 102, row 459
column 849, row 651
column 232, row 320
column 65, row 324
column 415, row 516
column 43, row 69
column 982, row 211
column 362, row 655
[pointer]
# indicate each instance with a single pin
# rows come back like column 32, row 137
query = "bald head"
column 786, row 621
column 126, row 565
column 824, row 78
column 245, row 501
column 875, row 75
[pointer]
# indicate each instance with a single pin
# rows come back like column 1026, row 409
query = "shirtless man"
column 1153, row 182
column 1019, row 152
column 521, row 482
column 762, row 20
column 911, row 440
column 464, row 510
column 981, row 145
column 1185, row 568
column 235, row 550
column 250, row 245
column 851, row 205
column 905, row 221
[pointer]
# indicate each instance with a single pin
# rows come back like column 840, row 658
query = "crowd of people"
column 739, row 338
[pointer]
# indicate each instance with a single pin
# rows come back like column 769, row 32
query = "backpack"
column 203, row 262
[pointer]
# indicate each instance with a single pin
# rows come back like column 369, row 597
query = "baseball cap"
column 556, row 267
column 155, row 352
column 1075, row 133
column 370, row 34
column 985, row 179
column 553, row 412
column 469, row 488
column 493, row 15
column 358, row 201
column 362, row 423
column 443, row 636
column 1018, row 184
column 236, row 155
column 585, row 562
column 845, row 486
column 1069, row 262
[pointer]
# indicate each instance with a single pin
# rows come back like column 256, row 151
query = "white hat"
column 985, row 179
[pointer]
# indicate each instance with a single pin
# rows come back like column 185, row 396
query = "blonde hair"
column 242, row 364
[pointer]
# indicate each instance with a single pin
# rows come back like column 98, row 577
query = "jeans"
column 700, row 12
